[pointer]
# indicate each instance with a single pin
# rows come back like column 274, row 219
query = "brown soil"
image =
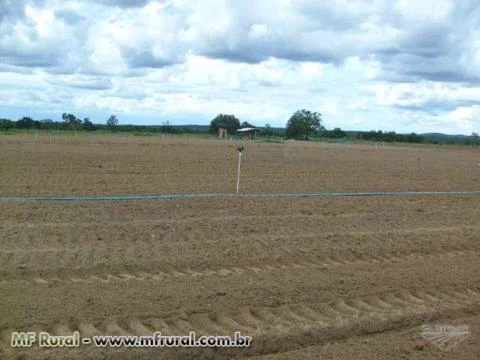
column 307, row 278
column 136, row 166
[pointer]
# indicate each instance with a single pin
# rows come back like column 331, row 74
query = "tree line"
column 72, row 122
column 302, row 125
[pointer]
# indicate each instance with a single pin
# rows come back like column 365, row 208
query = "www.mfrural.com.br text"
column 47, row 340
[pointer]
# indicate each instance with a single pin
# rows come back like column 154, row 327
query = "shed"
column 222, row 133
column 249, row 132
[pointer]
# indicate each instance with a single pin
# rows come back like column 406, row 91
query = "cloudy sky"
column 390, row 65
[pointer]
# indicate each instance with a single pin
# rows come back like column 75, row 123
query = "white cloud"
column 467, row 119
column 400, row 65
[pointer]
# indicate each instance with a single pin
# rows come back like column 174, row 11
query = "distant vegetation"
column 71, row 122
column 302, row 125
column 391, row 137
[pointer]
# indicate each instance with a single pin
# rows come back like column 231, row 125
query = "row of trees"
column 303, row 124
column 70, row 122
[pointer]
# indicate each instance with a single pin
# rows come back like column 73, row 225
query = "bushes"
column 6, row 124
column 335, row 133
column 390, row 136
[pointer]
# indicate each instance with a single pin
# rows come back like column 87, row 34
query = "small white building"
column 222, row 133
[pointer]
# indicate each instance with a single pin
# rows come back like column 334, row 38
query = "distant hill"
column 428, row 137
column 446, row 138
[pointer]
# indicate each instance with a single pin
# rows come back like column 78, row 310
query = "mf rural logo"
column 445, row 337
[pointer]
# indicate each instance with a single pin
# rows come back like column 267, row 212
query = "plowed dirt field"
column 307, row 278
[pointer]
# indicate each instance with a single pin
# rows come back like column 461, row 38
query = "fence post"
column 240, row 149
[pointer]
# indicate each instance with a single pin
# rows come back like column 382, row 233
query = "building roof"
column 247, row 129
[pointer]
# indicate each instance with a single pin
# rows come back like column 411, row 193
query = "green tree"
column 303, row 123
column 88, row 125
column 112, row 121
column 229, row 122
column 25, row 123
column 246, row 124
column 71, row 120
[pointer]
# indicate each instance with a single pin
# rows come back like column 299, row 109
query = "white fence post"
column 238, row 171
column 240, row 149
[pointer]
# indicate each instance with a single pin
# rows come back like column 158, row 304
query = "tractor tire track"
column 326, row 263
column 285, row 327
column 151, row 249
column 168, row 231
